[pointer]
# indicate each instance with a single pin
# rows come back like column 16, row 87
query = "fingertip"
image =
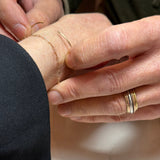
column 20, row 31
column 55, row 97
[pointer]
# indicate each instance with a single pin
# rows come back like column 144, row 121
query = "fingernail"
column 55, row 98
column 20, row 31
column 64, row 111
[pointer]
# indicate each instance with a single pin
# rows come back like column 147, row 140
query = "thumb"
column 44, row 12
column 5, row 33
column 14, row 19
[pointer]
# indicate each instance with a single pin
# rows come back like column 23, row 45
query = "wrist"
column 48, row 52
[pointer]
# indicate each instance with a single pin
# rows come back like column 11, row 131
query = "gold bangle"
column 54, row 50
column 61, row 35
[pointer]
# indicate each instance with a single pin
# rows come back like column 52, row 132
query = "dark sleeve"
column 24, row 109
column 120, row 11
column 73, row 5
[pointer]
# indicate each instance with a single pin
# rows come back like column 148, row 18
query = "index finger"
column 45, row 12
column 129, row 39
column 14, row 19
column 5, row 33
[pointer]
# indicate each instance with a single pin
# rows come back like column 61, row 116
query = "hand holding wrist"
column 51, row 61
column 44, row 51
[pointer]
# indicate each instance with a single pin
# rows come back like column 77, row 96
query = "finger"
column 146, row 113
column 46, row 12
column 115, row 42
column 5, row 33
column 107, row 81
column 110, row 105
column 26, row 4
column 14, row 19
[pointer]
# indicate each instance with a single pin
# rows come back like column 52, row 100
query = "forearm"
column 24, row 111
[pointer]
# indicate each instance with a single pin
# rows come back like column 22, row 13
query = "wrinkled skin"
column 97, row 96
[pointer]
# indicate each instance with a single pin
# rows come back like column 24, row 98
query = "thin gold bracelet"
column 54, row 50
column 61, row 35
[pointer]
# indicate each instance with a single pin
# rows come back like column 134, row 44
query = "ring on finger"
column 131, row 101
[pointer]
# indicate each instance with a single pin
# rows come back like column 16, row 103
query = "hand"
column 5, row 33
column 48, row 50
column 97, row 96
column 18, row 16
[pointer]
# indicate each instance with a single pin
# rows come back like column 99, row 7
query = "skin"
column 44, row 53
column 17, row 17
column 97, row 96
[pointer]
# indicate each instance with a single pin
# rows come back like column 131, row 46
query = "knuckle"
column 89, row 18
column 75, row 59
column 151, row 28
column 116, row 40
column 80, row 109
column 42, row 16
column 114, row 106
column 155, row 70
column 72, row 90
column 69, row 17
column 111, row 81
column 118, row 106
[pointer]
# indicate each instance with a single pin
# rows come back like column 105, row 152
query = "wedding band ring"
column 131, row 101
